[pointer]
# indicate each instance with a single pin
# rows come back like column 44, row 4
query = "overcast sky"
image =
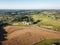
column 29, row 4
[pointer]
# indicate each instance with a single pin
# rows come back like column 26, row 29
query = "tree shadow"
column 3, row 33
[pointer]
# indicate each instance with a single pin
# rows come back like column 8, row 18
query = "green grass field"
column 47, row 22
column 48, row 42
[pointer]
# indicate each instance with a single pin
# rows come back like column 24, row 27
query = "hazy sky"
column 29, row 4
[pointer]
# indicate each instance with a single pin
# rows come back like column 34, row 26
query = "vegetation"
column 49, row 19
column 49, row 42
column 48, row 22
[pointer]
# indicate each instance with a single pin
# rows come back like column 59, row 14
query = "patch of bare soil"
column 28, row 35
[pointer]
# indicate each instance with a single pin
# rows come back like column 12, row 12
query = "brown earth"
column 28, row 35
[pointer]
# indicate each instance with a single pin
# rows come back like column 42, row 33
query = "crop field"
column 23, row 35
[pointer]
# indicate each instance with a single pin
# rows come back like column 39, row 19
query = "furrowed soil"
column 21, row 35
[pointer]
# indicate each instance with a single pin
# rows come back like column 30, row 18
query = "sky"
column 29, row 4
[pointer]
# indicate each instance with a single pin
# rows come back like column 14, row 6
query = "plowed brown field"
column 28, row 35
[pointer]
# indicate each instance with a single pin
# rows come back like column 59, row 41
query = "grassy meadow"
column 47, row 22
column 48, row 42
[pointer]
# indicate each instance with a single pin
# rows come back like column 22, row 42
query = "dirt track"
column 28, row 35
